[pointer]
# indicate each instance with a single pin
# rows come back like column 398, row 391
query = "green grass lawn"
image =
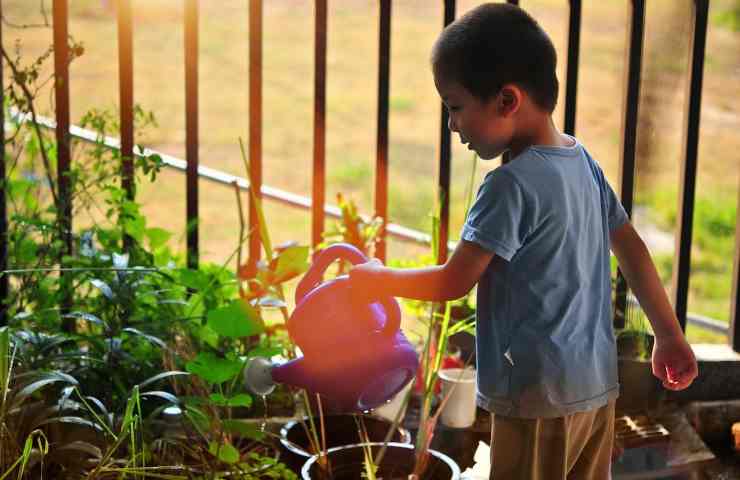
column 415, row 108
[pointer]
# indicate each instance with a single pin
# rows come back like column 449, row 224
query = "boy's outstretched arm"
column 673, row 360
column 452, row 280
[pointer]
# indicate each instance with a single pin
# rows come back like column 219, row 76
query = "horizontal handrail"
column 294, row 200
column 220, row 177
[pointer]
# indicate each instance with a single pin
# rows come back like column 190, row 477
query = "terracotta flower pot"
column 347, row 463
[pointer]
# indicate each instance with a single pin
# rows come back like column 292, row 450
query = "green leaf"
column 291, row 262
column 151, row 338
column 213, row 369
column 161, row 376
column 243, row 429
column 238, row 319
column 135, row 227
column 207, row 335
column 25, row 252
column 240, row 400
column 157, row 237
column 224, row 452
column 197, row 417
column 218, row 398
column 4, row 357
column 168, row 397
column 194, row 279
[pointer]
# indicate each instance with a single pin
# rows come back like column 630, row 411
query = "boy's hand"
column 365, row 281
column 674, row 362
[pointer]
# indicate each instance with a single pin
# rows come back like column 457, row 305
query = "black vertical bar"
column 191, row 129
column 571, row 78
column 381, row 159
column 506, row 156
column 4, row 284
column 445, row 155
column 682, row 262
column 319, row 125
column 61, row 97
column 735, row 298
column 635, row 38
column 126, row 94
column 255, row 122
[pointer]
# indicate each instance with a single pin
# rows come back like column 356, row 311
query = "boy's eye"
column 453, row 108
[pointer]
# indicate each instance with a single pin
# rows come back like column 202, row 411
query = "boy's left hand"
column 674, row 362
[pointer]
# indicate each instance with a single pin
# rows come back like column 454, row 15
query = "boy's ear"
column 509, row 99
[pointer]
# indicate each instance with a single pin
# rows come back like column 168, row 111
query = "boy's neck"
column 539, row 130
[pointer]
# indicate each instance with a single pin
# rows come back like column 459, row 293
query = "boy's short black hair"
column 495, row 44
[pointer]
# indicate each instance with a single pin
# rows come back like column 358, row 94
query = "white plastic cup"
column 459, row 384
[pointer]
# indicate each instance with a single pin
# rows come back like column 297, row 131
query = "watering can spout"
column 258, row 376
column 261, row 375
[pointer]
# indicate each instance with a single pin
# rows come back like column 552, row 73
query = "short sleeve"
column 616, row 216
column 497, row 219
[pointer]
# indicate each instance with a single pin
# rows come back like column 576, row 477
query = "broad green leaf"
column 218, row 398
column 240, row 400
column 213, row 369
column 25, row 251
column 224, row 452
column 135, row 227
column 157, row 237
column 243, row 429
column 207, row 335
column 291, row 262
column 238, row 319
column 194, row 279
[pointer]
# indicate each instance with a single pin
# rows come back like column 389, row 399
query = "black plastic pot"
column 340, row 430
column 639, row 389
column 398, row 462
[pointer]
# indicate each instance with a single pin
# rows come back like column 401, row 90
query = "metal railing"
column 298, row 201
column 635, row 38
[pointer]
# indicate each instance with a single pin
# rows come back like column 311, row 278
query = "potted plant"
column 640, row 390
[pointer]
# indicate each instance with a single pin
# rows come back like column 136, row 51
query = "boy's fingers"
column 680, row 380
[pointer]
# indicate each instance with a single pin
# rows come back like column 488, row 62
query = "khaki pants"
column 574, row 447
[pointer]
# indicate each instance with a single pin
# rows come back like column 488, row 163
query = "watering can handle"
column 352, row 254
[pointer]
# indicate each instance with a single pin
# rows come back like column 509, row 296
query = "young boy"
column 536, row 242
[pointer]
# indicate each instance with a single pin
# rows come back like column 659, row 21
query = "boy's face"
column 481, row 124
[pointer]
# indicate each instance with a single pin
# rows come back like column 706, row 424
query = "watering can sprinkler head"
column 258, row 376
column 354, row 355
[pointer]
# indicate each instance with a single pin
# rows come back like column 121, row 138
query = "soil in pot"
column 398, row 463
column 340, row 430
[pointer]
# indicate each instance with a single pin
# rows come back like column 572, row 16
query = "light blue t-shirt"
column 545, row 341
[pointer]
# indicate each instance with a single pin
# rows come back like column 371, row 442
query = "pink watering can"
column 355, row 356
